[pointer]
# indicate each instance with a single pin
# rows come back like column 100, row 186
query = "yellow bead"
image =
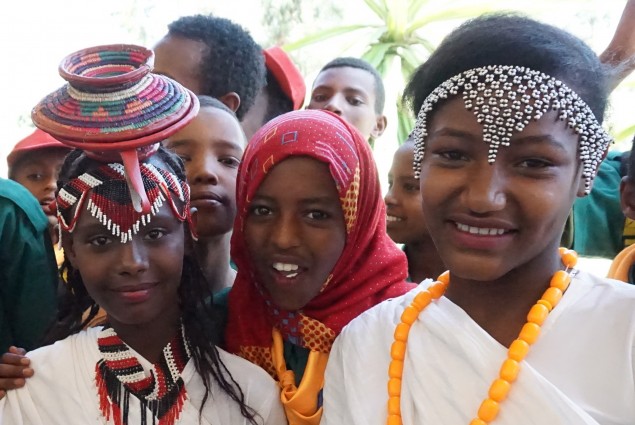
column 499, row 390
column 394, row 387
column 518, row 350
column 560, row 280
column 552, row 296
column 395, row 370
column 545, row 303
column 570, row 258
column 394, row 407
column 398, row 350
column 409, row 315
column 437, row 289
column 478, row 421
column 488, row 410
column 444, row 277
column 401, row 332
column 422, row 300
column 509, row 370
column 394, row 420
column 529, row 333
column 538, row 314
column 562, row 250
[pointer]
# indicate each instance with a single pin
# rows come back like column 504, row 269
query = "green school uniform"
column 28, row 272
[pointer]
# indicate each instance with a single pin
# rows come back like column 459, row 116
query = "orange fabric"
column 622, row 264
column 300, row 403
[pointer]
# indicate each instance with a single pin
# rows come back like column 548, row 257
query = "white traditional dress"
column 580, row 371
column 63, row 390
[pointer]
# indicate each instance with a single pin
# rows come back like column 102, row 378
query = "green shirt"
column 28, row 272
column 598, row 221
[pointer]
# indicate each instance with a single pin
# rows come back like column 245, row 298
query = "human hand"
column 14, row 369
column 53, row 228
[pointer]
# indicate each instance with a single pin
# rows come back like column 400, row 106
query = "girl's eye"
column 411, row 187
column 35, row 177
column 318, row 215
column 259, row 210
column 155, row 234
column 535, row 163
column 99, row 241
column 319, row 97
column 230, row 161
column 452, row 155
column 355, row 101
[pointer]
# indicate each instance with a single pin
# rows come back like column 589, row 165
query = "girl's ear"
column 231, row 100
column 69, row 248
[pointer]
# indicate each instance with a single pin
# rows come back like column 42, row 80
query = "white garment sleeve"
column 19, row 409
column 334, row 405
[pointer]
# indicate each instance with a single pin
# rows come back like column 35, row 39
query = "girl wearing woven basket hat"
column 124, row 212
column 508, row 134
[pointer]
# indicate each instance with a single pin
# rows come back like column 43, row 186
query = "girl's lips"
column 480, row 238
column 136, row 293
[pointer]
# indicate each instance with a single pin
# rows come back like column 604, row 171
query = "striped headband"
column 104, row 192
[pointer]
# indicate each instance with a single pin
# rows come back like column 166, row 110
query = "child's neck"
column 213, row 254
column 500, row 307
column 423, row 260
column 149, row 339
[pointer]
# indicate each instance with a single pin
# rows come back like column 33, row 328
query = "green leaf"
column 376, row 53
column 324, row 35
column 380, row 9
column 625, row 134
column 405, row 123
column 415, row 7
column 449, row 14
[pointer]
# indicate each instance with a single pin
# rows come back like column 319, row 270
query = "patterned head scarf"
column 371, row 267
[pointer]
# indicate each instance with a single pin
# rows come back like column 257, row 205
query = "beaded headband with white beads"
column 106, row 195
column 504, row 99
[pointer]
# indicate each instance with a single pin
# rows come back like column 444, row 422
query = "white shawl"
column 63, row 391
column 580, row 371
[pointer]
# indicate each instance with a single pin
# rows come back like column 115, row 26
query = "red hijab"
column 371, row 267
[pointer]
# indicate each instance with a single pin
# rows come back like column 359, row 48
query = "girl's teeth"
column 285, row 267
column 393, row 218
column 479, row 230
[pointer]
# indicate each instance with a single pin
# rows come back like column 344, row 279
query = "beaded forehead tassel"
column 505, row 99
column 110, row 203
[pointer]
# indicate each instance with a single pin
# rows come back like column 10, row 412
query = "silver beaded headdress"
column 504, row 99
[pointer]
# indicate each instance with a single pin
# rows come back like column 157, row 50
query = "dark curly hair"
column 511, row 39
column 278, row 102
column 201, row 322
column 350, row 62
column 232, row 60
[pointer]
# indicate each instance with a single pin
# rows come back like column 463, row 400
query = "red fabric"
column 287, row 75
column 34, row 141
column 371, row 267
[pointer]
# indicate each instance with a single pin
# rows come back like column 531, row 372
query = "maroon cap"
column 287, row 75
column 34, row 141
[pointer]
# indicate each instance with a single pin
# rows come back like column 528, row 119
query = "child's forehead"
column 346, row 76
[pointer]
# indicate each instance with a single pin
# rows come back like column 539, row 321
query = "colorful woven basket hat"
column 115, row 109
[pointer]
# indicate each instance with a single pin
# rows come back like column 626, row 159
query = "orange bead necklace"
column 517, row 351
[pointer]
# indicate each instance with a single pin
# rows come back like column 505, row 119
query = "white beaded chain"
column 505, row 99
